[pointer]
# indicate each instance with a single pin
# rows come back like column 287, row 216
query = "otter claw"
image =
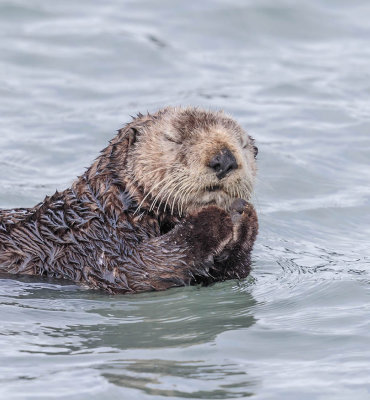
column 238, row 206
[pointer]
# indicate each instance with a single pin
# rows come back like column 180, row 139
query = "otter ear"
column 254, row 147
column 255, row 151
column 131, row 135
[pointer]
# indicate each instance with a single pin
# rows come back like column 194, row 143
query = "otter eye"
column 172, row 139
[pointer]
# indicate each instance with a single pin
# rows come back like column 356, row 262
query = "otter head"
column 182, row 159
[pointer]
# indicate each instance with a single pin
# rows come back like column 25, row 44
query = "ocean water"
column 296, row 75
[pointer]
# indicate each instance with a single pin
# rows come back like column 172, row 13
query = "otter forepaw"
column 238, row 206
column 211, row 230
column 245, row 222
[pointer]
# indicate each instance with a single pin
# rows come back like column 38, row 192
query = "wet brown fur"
column 149, row 213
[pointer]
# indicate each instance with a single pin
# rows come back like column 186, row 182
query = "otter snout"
column 223, row 163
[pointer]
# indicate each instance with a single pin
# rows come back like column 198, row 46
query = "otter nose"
column 223, row 163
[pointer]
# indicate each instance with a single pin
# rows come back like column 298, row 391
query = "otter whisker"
column 179, row 189
column 168, row 183
column 187, row 190
column 179, row 192
column 153, row 187
column 153, row 173
column 170, row 193
column 174, row 200
column 239, row 191
column 181, row 204
column 150, row 191
column 164, row 188
column 232, row 191
column 247, row 191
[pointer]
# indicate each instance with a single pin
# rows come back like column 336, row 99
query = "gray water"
column 296, row 75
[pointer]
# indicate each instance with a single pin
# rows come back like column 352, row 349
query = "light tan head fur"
column 167, row 165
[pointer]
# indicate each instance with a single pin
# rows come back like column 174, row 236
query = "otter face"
column 185, row 159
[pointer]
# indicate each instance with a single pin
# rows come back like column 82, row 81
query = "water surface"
column 296, row 76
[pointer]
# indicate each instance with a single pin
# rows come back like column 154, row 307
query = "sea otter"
column 165, row 204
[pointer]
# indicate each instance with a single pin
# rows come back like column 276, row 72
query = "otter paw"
column 238, row 206
column 211, row 229
column 236, row 255
column 245, row 222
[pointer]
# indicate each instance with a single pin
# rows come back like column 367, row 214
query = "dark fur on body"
column 108, row 232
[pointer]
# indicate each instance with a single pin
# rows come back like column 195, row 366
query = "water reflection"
column 179, row 317
column 123, row 339
column 195, row 379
